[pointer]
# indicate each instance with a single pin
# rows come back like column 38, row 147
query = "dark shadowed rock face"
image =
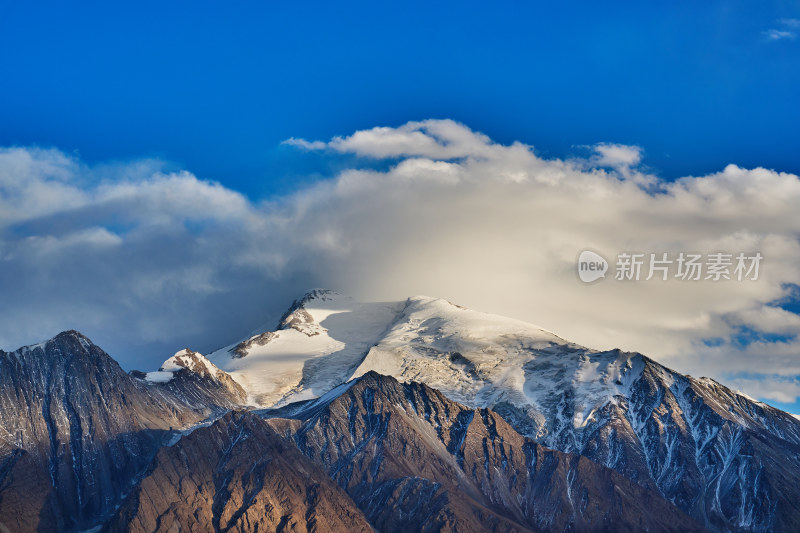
column 76, row 432
column 237, row 475
column 414, row 460
column 241, row 349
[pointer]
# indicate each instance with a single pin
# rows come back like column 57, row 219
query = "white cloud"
column 505, row 234
column 616, row 155
column 491, row 226
column 302, row 143
column 777, row 35
column 438, row 139
column 767, row 319
column 123, row 251
column 792, row 23
column 34, row 183
column 86, row 238
column 784, row 390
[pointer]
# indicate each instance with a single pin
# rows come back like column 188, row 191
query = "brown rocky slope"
column 237, row 475
column 414, row 460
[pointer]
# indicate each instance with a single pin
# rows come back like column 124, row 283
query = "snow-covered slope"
column 488, row 360
column 317, row 345
column 326, row 339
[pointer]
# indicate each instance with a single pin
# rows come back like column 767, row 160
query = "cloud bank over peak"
column 150, row 259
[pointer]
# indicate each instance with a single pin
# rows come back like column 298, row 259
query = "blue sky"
column 215, row 88
column 147, row 191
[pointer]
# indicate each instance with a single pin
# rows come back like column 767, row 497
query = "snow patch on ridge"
column 185, row 359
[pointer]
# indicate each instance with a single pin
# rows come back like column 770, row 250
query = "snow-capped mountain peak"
column 325, row 338
column 316, row 345
column 185, row 359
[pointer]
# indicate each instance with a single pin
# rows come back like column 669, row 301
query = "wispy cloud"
column 777, row 35
column 616, row 155
column 302, row 143
column 143, row 258
column 786, row 31
column 778, row 388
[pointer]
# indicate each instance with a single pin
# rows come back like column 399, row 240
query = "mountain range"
column 417, row 415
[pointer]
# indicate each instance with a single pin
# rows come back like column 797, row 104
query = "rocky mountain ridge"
column 482, row 401
column 76, row 431
column 409, row 456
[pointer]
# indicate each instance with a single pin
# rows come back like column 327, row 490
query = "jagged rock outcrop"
column 76, row 432
column 237, row 475
column 414, row 460
column 243, row 347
